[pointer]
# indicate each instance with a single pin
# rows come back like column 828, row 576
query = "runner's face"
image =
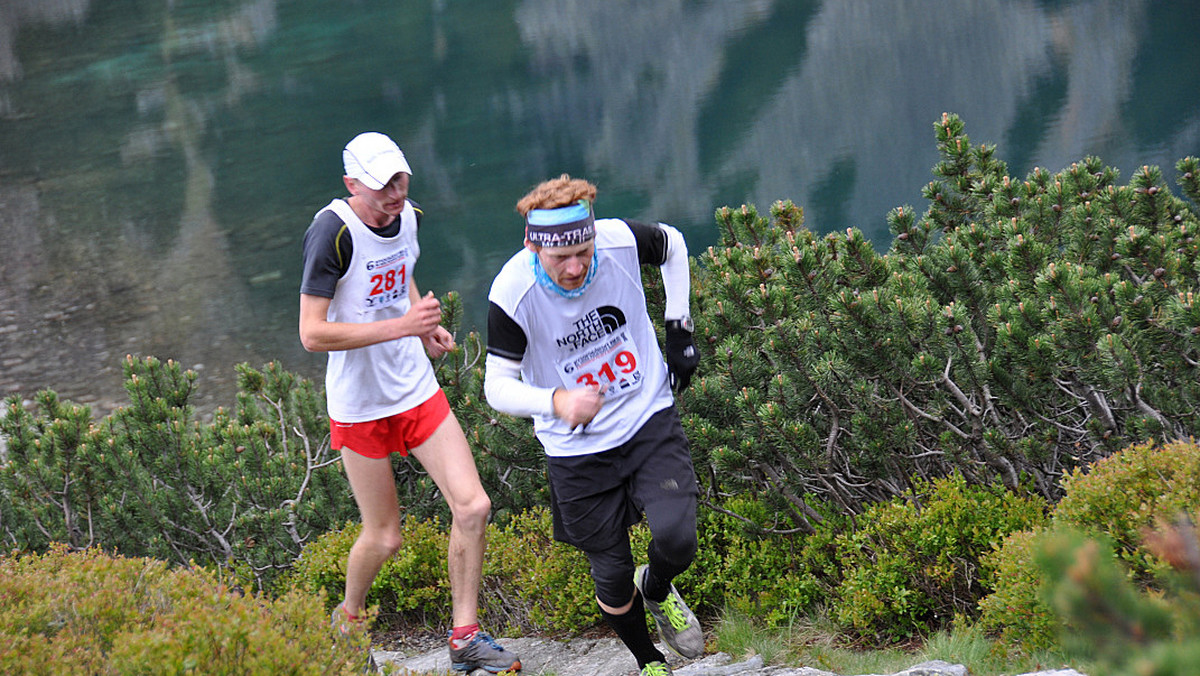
column 387, row 200
column 567, row 266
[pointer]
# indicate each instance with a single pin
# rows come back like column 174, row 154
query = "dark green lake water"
column 159, row 161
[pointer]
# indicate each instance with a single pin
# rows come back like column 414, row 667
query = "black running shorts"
column 594, row 498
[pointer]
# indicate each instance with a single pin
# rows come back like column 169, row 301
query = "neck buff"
column 543, row 279
column 564, row 226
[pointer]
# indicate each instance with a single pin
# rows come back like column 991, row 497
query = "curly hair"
column 556, row 192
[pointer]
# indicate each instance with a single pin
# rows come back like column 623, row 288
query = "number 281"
column 387, row 282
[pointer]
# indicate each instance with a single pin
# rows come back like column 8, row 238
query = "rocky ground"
column 607, row 657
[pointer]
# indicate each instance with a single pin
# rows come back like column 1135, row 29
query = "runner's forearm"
column 676, row 275
column 507, row 393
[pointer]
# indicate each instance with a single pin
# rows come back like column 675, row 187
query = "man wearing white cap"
column 571, row 345
column 360, row 304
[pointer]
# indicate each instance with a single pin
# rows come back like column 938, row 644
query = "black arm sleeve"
column 651, row 242
column 504, row 336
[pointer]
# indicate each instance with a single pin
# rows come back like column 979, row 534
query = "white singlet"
column 602, row 337
column 373, row 382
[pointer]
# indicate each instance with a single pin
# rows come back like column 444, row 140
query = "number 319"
column 624, row 361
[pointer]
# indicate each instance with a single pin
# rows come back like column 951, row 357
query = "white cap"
column 374, row 159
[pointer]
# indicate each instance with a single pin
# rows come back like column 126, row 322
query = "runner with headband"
column 571, row 345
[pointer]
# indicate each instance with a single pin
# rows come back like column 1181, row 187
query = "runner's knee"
column 674, row 553
column 473, row 512
column 382, row 542
column 612, row 573
column 673, row 534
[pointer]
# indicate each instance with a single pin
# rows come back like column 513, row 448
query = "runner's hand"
column 682, row 358
column 577, row 406
column 438, row 343
column 424, row 317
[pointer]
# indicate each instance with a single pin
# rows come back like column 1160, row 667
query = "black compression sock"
column 654, row 588
column 631, row 629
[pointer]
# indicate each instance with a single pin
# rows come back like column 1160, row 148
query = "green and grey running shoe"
column 677, row 624
column 656, row 669
column 482, row 652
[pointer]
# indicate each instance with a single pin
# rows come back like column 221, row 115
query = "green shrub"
column 85, row 612
column 411, row 587
column 1123, row 495
column 914, row 562
column 1116, row 501
column 1015, row 610
column 736, row 565
column 906, row 569
column 1102, row 615
column 538, row 584
column 531, row 583
column 743, row 568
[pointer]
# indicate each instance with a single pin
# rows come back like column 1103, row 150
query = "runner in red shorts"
column 360, row 304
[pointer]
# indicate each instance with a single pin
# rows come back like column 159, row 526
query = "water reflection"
column 158, row 165
column 15, row 14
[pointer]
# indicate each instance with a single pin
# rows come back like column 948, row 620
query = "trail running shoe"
column 656, row 669
column 348, row 629
column 345, row 626
column 482, row 652
column 677, row 624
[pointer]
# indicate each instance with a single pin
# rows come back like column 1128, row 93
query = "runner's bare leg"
column 447, row 458
column 374, row 489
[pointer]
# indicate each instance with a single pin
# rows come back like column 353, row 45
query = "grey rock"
column 719, row 665
column 936, row 668
column 608, row 657
column 602, row 657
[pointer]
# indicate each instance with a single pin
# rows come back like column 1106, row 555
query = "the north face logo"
column 593, row 326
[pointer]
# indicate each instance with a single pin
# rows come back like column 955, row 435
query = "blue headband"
column 564, row 226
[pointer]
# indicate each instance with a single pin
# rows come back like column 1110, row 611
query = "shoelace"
column 674, row 613
column 655, row 669
column 486, row 638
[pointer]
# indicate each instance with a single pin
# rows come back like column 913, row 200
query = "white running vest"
column 373, row 382
column 604, row 336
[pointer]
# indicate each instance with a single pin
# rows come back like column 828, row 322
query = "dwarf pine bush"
column 243, row 493
column 1019, row 328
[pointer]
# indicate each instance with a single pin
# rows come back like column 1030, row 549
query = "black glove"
column 682, row 357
